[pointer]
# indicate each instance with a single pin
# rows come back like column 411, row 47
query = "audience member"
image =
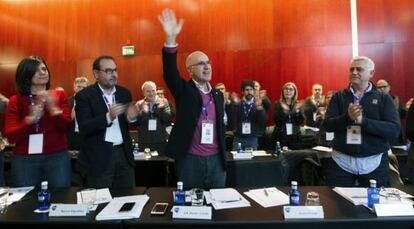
column 197, row 139
column 312, row 103
column 288, row 118
column 364, row 122
column 37, row 120
column 73, row 137
column 3, row 104
column 106, row 148
column 153, row 118
column 248, row 117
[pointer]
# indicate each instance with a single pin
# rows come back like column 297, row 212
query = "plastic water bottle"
column 43, row 197
column 373, row 193
column 179, row 198
column 239, row 148
column 278, row 149
column 294, row 194
column 136, row 149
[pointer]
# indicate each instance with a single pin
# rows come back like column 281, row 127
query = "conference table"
column 339, row 213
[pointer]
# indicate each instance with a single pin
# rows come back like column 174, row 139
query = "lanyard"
column 107, row 101
column 290, row 113
column 205, row 106
column 37, row 121
column 152, row 109
column 246, row 109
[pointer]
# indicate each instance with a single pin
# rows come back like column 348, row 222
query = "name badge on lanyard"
column 329, row 136
column 246, row 128
column 289, row 129
column 35, row 143
column 207, row 132
column 152, row 124
column 314, row 116
column 353, row 135
column 35, row 140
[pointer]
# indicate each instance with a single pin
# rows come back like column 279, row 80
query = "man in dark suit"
column 106, row 150
column 197, row 138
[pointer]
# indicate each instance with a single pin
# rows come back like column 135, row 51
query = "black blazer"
column 91, row 116
column 188, row 104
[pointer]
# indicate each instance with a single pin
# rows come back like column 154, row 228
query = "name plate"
column 191, row 212
column 242, row 156
column 303, row 212
column 68, row 210
column 394, row 209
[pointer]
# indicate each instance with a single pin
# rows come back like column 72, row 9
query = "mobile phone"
column 127, row 207
column 159, row 209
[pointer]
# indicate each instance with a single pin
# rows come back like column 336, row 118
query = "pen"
column 265, row 192
column 230, row 201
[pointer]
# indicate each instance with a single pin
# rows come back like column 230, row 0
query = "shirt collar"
column 201, row 88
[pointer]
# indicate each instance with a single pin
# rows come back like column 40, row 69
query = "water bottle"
column 179, row 198
column 278, row 149
column 239, row 148
column 373, row 193
column 136, row 149
column 294, row 194
column 43, row 197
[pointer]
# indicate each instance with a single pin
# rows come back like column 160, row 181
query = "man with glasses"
column 103, row 111
column 197, row 139
column 364, row 122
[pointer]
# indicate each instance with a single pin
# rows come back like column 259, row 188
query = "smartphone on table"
column 159, row 209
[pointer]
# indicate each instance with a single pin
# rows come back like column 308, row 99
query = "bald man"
column 153, row 117
column 385, row 87
column 197, row 139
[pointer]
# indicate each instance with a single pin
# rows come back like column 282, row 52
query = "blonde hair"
column 295, row 96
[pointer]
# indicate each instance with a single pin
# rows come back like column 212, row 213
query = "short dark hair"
column 96, row 63
column 247, row 83
column 25, row 71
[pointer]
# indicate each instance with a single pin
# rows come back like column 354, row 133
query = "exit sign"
column 128, row 50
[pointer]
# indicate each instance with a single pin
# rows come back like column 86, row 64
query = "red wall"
column 272, row 41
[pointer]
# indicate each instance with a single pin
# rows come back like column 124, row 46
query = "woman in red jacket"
column 37, row 120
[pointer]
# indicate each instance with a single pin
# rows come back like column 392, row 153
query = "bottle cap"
column 44, row 184
column 372, row 181
column 179, row 184
column 294, row 183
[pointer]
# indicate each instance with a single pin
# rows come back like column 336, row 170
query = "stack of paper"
column 225, row 198
column 268, row 197
column 359, row 196
column 111, row 211
column 16, row 194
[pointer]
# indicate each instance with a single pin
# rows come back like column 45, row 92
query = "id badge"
column 329, row 136
column 353, row 135
column 314, row 116
column 35, row 143
column 152, row 124
column 246, row 128
column 207, row 132
column 289, row 129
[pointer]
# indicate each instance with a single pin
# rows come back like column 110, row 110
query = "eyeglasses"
column 201, row 63
column 109, row 70
column 382, row 87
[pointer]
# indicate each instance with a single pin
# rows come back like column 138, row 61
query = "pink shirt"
column 196, row 147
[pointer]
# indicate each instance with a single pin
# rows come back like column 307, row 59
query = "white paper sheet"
column 268, row 197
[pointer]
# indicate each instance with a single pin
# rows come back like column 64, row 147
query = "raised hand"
column 170, row 25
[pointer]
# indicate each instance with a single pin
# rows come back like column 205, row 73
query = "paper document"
column 225, row 198
column 359, row 196
column 102, row 196
column 268, row 197
column 323, row 149
column 16, row 194
column 111, row 211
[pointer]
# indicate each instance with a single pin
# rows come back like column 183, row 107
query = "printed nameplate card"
column 191, row 212
column 394, row 209
column 68, row 210
column 303, row 212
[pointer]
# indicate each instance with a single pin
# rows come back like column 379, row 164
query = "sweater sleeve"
column 16, row 127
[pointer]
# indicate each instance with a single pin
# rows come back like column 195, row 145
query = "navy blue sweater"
column 380, row 122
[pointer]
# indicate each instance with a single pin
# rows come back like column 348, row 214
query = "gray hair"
column 371, row 64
